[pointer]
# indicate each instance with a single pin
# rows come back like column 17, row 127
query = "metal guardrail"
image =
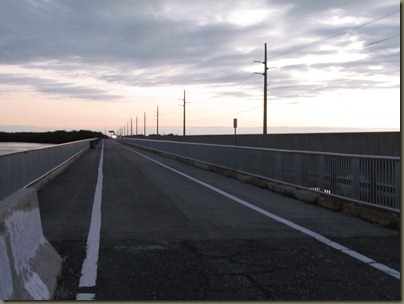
column 20, row 168
column 367, row 179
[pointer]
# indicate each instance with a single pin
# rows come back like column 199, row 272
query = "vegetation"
column 56, row 137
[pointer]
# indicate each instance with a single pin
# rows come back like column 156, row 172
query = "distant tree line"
column 56, row 137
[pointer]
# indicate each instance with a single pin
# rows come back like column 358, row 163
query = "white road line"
column 390, row 271
column 90, row 263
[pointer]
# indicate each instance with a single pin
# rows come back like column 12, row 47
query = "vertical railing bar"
column 388, row 184
column 392, row 185
column 320, row 178
column 356, row 178
column 278, row 166
column 298, row 168
column 397, row 183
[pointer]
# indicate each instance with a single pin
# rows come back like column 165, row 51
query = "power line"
column 225, row 91
column 289, row 52
column 335, row 35
column 304, row 47
column 238, row 72
column 382, row 40
column 230, row 114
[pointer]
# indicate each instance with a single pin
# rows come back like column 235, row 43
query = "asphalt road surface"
column 170, row 231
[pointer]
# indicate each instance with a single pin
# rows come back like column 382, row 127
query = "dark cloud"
column 144, row 43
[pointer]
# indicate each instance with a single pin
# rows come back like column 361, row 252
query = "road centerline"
column 364, row 259
column 90, row 264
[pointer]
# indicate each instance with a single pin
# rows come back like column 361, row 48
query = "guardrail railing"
column 367, row 179
column 20, row 168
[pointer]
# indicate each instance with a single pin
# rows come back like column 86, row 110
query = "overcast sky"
column 95, row 64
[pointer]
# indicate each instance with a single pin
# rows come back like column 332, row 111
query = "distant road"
column 170, row 231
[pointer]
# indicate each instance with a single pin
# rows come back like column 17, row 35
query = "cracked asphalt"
column 167, row 238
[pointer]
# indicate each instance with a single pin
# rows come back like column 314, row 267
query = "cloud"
column 149, row 43
column 51, row 87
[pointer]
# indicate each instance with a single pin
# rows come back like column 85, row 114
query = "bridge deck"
column 167, row 235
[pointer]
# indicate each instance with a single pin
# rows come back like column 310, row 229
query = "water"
column 12, row 147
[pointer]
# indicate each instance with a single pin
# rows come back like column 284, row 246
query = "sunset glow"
column 98, row 64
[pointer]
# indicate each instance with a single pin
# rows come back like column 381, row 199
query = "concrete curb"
column 29, row 265
column 39, row 182
column 380, row 216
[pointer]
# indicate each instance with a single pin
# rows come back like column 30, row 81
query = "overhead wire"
column 217, row 96
column 382, row 40
column 336, row 35
column 296, row 50
column 314, row 43
column 225, row 91
column 333, row 36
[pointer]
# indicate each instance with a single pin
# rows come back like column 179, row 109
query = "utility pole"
column 157, row 120
column 144, row 121
column 184, row 115
column 131, row 129
column 136, row 125
column 265, row 88
column 235, row 131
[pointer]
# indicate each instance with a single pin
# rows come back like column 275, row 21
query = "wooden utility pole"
column 265, row 87
column 184, row 116
column 131, row 128
column 144, row 123
column 136, row 125
column 157, row 120
column 265, row 90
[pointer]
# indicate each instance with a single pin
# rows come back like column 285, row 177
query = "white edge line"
column 390, row 271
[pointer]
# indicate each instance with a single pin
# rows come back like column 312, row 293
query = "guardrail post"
column 373, row 169
column 298, row 168
column 397, row 184
column 356, row 178
column 278, row 166
column 321, row 175
column 333, row 177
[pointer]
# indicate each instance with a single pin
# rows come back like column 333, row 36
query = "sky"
column 333, row 65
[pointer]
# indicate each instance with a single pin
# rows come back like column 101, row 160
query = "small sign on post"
column 235, row 133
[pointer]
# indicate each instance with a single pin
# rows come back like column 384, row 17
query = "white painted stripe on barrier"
column 390, row 271
column 90, row 263
column 85, row 297
column 6, row 283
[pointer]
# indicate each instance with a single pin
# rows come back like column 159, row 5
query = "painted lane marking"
column 90, row 263
column 390, row 271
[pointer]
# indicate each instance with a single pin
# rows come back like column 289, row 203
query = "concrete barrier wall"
column 365, row 143
column 29, row 265
column 19, row 169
